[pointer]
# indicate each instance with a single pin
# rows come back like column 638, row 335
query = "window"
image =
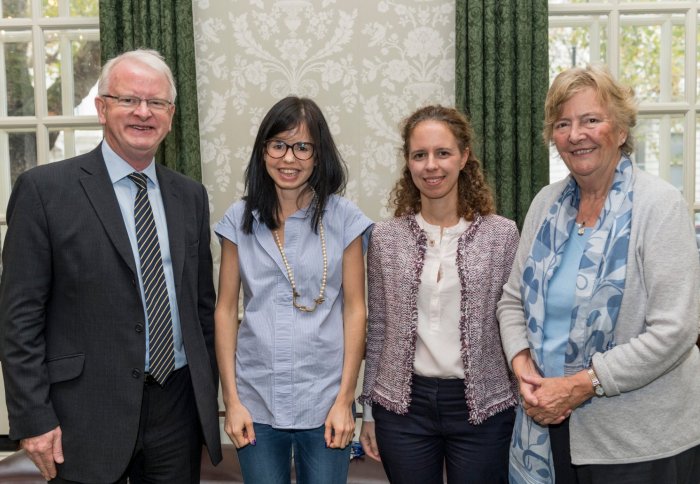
column 49, row 65
column 651, row 45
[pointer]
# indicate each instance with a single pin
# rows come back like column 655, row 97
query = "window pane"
column 22, row 147
column 655, row 71
column 84, row 8
column 76, row 8
column 49, row 8
column 581, row 43
column 53, row 73
column 659, row 147
column 84, row 49
column 557, row 168
column 86, row 107
column 70, row 142
column 20, row 78
column 16, row 8
column 678, row 63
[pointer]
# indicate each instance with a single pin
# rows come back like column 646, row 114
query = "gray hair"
column 149, row 57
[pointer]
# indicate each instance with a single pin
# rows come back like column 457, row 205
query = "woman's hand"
column 368, row 439
column 238, row 425
column 340, row 421
column 553, row 399
column 524, row 367
column 557, row 397
column 340, row 426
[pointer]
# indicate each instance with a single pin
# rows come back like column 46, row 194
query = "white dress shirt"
column 438, row 344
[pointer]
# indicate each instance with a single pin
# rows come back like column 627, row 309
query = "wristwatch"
column 597, row 387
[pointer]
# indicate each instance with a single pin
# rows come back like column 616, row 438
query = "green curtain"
column 502, row 81
column 166, row 26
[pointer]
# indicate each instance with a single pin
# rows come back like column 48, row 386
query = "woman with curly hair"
column 437, row 390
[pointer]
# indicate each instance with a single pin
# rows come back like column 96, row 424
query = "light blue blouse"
column 288, row 362
column 560, row 303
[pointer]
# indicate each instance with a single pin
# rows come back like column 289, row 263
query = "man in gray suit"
column 107, row 300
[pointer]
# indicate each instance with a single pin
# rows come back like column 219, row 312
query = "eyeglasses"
column 277, row 149
column 133, row 102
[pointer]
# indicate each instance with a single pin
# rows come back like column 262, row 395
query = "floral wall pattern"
column 367, row 65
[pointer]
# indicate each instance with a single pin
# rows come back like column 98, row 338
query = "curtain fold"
column 166, row 26
column 501, row 83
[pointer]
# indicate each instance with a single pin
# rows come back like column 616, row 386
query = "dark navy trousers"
column 435, row 437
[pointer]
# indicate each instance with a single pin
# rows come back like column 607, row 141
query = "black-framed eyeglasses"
column 277, row 149
column 133, row 102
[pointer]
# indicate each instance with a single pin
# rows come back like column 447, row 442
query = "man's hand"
column 45, row 451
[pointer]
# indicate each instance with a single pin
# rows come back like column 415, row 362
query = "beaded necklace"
column 295, row 294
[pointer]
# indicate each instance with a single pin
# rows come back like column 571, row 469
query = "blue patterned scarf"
column 599, row 288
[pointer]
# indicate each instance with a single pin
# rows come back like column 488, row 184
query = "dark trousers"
column 683, row 468
column 169, row 443
column 435, row 435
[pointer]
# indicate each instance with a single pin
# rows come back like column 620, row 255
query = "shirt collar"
column 301, row 213
column 118, row 168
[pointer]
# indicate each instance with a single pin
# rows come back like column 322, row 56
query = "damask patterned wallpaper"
column 367, row 63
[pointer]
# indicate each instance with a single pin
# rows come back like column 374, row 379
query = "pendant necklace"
column 295, row 294
column 581, row 227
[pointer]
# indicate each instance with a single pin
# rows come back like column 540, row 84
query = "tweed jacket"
column 395, row 261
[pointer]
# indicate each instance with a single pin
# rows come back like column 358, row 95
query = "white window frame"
column 689, row 108
column 18, row 29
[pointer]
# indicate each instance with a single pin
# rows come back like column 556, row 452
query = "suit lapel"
column 99, row 190
column 174, row 215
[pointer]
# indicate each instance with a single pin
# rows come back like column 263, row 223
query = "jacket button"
column 136, row 373
column 139, row 328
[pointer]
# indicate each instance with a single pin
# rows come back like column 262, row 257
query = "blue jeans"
column 435, row 436
column 269, row 461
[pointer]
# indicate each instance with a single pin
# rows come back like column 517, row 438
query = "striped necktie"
column 160, row 327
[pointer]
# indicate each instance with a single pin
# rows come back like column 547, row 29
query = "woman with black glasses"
column 289, row 369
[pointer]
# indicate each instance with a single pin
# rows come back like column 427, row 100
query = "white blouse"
column 438, row 351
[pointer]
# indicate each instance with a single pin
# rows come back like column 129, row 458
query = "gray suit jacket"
column 72, row 337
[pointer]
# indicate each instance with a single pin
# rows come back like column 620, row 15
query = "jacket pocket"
column 64, row 368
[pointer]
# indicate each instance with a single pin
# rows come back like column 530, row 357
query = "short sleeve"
column 356, row 223
column 228, row 227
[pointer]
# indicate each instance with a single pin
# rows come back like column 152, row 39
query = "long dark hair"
column 329, row 174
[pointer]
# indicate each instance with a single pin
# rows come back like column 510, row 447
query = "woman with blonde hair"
column 600, row 315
